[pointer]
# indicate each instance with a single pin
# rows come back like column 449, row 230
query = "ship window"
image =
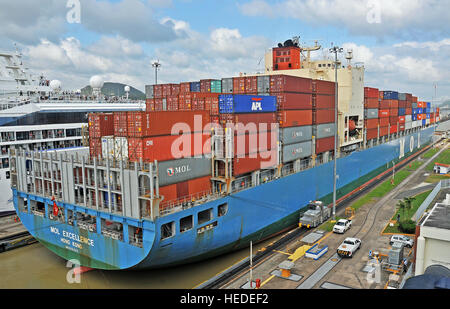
column 186, row 223
column 320, row 65
column 222, row 210
column 205, row 216
column 167, row 230
column 8, row 175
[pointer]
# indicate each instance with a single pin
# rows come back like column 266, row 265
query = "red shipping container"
column 255, row 142
column 251, row 85
column 167, row 90
column 198, row 103
column 419, row 117
column 393, row 104
column 142, row 124
column 421, row 104
column 295, row 118
column 101, row 124
column 185, row 102
column 169, row 193
column 371, row 93
column 323, row 87
column 199, row 187
column 370, row 103
column 384, row 131
column 393, row 129
column 212, row 104
column 172, row 103
column 383, row 113
column 255, row 162
column 401, row 127
column 401, row 104
column 409, row 97
column 393, row 112
column 324, row 101
column 385, row 104
column 286, row 83
column 95, row 146
column 393, row 120
column 159, row 104
column 290, row 100
column 205, row 85
column 409, row 111
column 371, row 123
column 185, row 88
column 149, row 105
column 414, row 99
column 384, row 122
column 381, row 94
column 248, row 119
column 322, row 116
column 401, row 119
column 169, row 147
column 158, row 91
column 324, row 144
column 176, row 89
column 121, row 124
column 371, row 134
column 239, row 85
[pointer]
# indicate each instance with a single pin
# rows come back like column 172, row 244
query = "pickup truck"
column 342, row 226
column 349, row 247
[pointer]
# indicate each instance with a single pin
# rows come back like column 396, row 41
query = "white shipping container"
column 108, row 147
column 121, row 148
column 408, row 125
column 408, row 118
column 428, row 121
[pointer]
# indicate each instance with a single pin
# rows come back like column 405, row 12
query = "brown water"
column 36, row 267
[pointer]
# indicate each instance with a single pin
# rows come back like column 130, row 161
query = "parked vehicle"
column 316, row 214
column 408, row 242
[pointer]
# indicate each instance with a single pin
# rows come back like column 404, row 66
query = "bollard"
column 258, row 283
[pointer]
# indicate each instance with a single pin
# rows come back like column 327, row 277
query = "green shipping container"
column 216, row 86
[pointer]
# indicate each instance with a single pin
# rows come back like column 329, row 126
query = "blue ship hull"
column 253, row 214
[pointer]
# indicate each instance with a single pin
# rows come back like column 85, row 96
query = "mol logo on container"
column 256, row 104
column 171, row 171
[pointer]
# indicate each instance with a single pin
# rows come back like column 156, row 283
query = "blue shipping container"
column 402, row 111
column 390, row 95
column 414, row 117
column 428, row 116
column 424, row 122
column 420, row 110
column 414, row 111
column 428, row 104
column 195, row 87
column 240, row 104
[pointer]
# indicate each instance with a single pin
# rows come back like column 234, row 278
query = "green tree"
column 408, row 202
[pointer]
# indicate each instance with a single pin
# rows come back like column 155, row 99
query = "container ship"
column 185, row 180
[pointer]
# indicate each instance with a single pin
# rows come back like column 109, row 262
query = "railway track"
column 222, row 279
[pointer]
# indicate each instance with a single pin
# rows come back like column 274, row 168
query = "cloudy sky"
column 405, row 44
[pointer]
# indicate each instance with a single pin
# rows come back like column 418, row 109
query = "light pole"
column 156, row 65
column 335, row 50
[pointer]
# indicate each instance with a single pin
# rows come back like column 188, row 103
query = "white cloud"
column 379, row 18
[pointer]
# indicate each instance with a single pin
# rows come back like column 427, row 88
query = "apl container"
column 295, row 135
column 324, row 130
column 296, row 151
column 239, row 104
column 176, row 171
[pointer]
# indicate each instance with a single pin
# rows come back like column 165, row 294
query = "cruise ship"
column 115, row 213
column 37, row 115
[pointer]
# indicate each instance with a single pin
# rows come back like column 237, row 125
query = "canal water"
column 35, row 267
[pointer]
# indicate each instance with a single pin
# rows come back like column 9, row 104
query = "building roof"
column 442, row 164
column 439, row 217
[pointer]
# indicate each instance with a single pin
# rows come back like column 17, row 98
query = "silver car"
column 408, row 242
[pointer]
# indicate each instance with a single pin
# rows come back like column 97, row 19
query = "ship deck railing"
column 189, row 201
